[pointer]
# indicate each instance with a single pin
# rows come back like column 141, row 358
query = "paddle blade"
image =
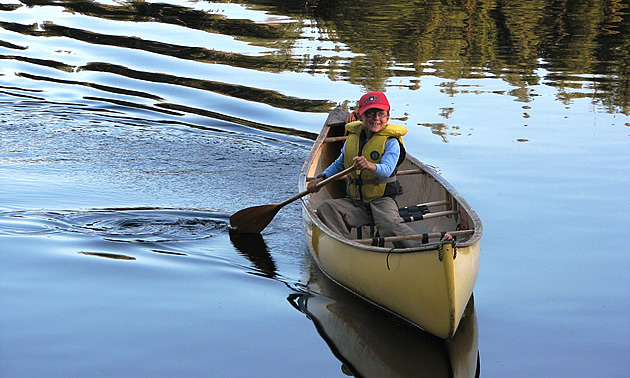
column 254, row 219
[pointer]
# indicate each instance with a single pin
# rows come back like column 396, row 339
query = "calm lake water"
column 131, row 131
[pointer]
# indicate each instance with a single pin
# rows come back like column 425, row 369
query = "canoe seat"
column 413, row 213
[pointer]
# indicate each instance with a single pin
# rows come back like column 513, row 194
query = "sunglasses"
column 373, row 114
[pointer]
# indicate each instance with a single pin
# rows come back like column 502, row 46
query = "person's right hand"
column 354, row 116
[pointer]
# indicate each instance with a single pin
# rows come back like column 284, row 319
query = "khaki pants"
column 343, row 214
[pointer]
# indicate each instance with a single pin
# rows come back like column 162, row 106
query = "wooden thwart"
column 335, row 139
column 438, row 214
column 434, row 203
column 432, row 235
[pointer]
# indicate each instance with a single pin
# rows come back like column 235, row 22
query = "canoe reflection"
column 372, row 342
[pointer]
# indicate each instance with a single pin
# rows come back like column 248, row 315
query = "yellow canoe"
column 429, row 285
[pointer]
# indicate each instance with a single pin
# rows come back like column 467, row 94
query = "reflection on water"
column 179, row 61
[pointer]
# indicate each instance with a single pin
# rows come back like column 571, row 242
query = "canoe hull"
column 429, row 292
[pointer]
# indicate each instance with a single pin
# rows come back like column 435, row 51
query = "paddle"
column 255, row 219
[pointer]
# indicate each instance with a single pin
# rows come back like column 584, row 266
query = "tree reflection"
column 521, row 42
column 509, row 39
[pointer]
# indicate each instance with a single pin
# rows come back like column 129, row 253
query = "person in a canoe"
column 376, row 149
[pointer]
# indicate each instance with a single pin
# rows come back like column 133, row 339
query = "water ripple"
column 134, row 225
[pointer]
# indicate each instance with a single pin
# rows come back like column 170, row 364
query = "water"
column 130, row 131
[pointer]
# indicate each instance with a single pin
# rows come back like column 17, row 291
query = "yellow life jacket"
column 364, row 185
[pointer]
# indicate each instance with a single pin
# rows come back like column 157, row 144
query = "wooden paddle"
column 255, row 219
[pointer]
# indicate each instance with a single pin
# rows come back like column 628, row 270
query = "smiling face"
column 374, row 120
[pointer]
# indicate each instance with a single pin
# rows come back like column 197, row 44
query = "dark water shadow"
column 372, row 342
column 253, row 247
column 106, row 255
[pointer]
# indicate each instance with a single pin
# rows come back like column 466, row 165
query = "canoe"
column 429, row 285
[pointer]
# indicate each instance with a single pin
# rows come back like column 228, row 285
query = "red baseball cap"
column 371, row 100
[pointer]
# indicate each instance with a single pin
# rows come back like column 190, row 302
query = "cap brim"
column 374, row 106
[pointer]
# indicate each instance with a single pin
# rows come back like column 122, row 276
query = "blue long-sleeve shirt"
column 384, row 169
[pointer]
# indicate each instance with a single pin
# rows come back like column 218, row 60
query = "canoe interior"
column 418, row 188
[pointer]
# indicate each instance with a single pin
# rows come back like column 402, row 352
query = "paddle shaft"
column 255, row 219
column 318, row 186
